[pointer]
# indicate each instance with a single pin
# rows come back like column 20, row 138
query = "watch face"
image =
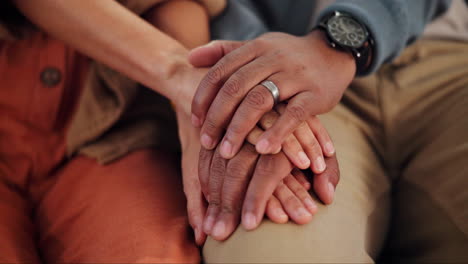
column 346, row 31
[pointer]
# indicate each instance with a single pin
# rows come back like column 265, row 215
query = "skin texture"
column 290, row 199
column 223, row 209
column 142, row 52
column 230, row 98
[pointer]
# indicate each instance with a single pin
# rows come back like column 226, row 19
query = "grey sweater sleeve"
column 394, row 24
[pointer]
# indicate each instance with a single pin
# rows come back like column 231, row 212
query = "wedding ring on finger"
column 271, row 86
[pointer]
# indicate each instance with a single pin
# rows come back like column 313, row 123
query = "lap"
column 132, row 210
column 17, row 233
column 352, row 229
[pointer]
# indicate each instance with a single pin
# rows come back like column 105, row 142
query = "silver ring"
column 271, row 86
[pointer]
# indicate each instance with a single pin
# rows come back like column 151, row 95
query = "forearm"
column 109, row 33
column 185, row 20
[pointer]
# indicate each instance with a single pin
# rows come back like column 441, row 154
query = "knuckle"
column 290, row 142
column 209, row 126
column 217, row 168
column 215, row 75
column 312, row 146
column 193, row 215
column 290, row 181
column 204, row 156
column 291, row 201
column 237, row 170
column 297, row 189
column 281, row 55
column 230, row 208
column 257, row 100
column 268, row 119
column 281, row 187
column 296, row 112
column 236, row 128
column 232, row 88
column 266, row 167
column 261, row 43
column 215, row 202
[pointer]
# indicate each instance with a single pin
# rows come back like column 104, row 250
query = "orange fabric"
column 58, row 210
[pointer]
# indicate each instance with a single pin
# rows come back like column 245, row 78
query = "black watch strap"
column 362, row 54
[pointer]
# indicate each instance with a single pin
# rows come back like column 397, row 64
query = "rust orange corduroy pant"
column 53, row 209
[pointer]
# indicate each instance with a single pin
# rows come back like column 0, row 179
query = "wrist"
column 341, row 60
column 164, row 71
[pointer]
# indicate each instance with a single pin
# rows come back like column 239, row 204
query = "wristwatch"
column 347, row 34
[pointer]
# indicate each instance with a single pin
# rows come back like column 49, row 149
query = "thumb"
column 207, row 55
column 325, row 183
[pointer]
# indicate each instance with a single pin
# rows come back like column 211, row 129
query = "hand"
column 311, row 75
column 227, row 182
column 224, row 183
column 196, row 204
column 291, row 199
column 306, row 147
column 310, row 138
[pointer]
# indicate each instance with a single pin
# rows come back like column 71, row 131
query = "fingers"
column 269, row 171
column 322, row 136
column 300, row 192
column 238, row 174
column 237, row 90
column 291, row 146
column 217, row 172
column 196, row 205
column 215, row 78
column 275, row 211
column 257, row 102
column 207, row 55
column 292, row 205
column 309, row 143
column 326, row 182
column 204, row 165
column 302, row 179
column 297, row 111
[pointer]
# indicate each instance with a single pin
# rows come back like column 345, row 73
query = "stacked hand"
column 230, row 107
column 206, row 174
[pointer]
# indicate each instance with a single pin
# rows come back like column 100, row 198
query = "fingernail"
column 249, row 221
column 301, row 212
column 280, row 213
column 303, row 159
column 226, row 149
column 206, row 141
column 320, row 164
column 329, row 149
column 331, row 190
column 263, row 146
column 219, row 229
column 310, row 205
column 208, row 225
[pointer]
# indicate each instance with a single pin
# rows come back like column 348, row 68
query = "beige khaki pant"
column 402, row 142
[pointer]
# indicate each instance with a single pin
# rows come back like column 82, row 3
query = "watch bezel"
column 338, row 15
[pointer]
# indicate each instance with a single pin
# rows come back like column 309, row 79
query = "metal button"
column 51, row 76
